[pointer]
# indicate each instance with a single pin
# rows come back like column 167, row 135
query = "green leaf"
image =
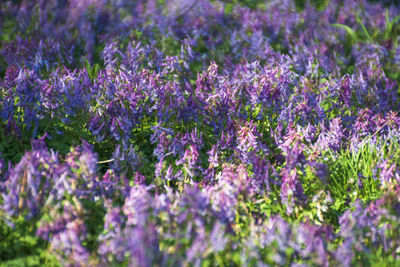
column 88, row 69
column 95, row 70
column 350, row 32
column 390, row 24
column 366, row 33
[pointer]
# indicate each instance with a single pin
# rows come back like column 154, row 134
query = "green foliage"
column 21, row 247
column 11, row 147
column 252, row 4
column 92, row 70
column 354, row 172
column 7, row 31
column 352, row 37
column 390, row 32
column 351, row 174
column 318, row 4
column 94, row 221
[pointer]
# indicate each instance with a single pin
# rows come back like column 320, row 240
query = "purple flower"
column 29, row 183
column 320, row 170
column 136, row 206
column 247, row 140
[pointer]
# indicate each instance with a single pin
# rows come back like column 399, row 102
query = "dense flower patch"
column 199, row 133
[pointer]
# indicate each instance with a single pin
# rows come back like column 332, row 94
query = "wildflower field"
column 199, row 133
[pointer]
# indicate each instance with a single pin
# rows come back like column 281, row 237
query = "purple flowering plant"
column 199, row 133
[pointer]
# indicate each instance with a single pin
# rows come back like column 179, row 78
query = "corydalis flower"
column 68, row 247
column 332, row 138
column 345, row 90
column 189, row 160
column 291, row 187
column 65, row 230
column 371, row 227
column 137, row 206
column 320, row 170
column 29, row 183
column 261, row 168
column 387, row 173
column 230, row 183
column 247, row 140
column 112, row 241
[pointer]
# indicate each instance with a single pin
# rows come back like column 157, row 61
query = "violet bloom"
column 137, row 205
column 231, row 182
column 247, row 141
column 309, row 133
column 126, row 159
column 333, row 138
column 320, row 170
column 190, row 161
column 28, row 184
column 113, row 244
column 387, row 172
column 143, row 245
column 261, row 179
column 291, row 187
column 109, row 55
column 68, row 246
